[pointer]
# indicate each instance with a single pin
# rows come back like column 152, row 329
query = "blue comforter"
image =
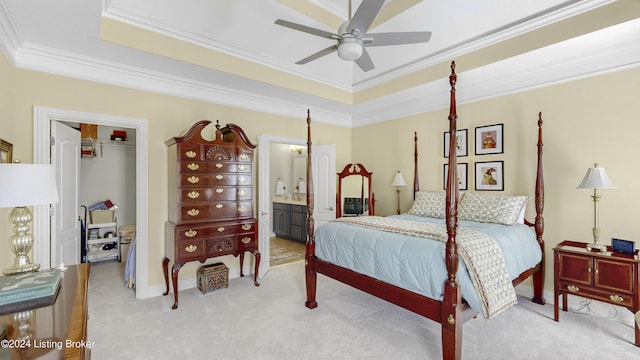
column 418, row 264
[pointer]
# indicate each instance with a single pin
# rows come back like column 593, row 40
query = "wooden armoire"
column 211, row 191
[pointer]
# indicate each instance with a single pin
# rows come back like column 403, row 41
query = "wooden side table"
column 57, row 331
column 604, row 276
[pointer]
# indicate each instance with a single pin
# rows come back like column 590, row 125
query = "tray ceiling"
column 225, row 49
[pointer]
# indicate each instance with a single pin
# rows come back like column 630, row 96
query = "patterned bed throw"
column 479, row 251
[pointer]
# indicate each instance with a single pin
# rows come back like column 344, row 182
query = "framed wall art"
column 490, row 175
column 489, row 139
column 461, row 139
column 462, row 176
column 6, row 152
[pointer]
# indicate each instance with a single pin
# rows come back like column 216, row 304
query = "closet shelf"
column 94, row 142
column 89, row 146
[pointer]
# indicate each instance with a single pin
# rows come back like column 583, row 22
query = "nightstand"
column 604, row 276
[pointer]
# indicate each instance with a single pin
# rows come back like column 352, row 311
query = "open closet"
column 106, row 195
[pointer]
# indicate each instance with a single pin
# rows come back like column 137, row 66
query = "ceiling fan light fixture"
column 350, row 48
column 352, row 36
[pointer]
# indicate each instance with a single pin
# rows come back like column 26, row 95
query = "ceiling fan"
column 352, row 36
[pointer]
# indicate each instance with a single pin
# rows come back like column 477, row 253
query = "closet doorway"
column 43, row 120
column 106, row 178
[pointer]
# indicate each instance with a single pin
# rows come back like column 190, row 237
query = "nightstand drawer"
column 613, row 297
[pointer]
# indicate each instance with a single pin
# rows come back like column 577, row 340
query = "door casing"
column 42, row 118
column 264, row 200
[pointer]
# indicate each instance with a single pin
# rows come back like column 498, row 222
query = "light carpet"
column 271, row 322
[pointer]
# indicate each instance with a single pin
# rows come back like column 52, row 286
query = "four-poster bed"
column 451, row 306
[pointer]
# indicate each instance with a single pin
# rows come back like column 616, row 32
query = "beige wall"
column 167, row 116
column 585, row 121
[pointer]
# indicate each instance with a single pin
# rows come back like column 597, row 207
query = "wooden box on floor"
column 213, row 277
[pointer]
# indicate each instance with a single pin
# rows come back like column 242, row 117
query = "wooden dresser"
column 57, row 331
column 210, row 200
column 607, row 276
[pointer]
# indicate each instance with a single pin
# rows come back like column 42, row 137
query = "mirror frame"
column 351, row 170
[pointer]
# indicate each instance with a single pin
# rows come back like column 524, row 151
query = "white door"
column 323, row 163
column 264, row 203
column 65, row 226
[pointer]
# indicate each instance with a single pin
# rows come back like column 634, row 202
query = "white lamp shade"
column 27, row 185
column 399, row 180
column 596, row 178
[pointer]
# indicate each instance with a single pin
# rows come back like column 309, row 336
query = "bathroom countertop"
column 283, row 200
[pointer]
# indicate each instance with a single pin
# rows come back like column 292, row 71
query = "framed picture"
column 489, row 140
column 490, row 175
column 461, row 139
column 6, row 152
column 462, row 176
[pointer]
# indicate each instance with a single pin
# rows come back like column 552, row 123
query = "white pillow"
column 429, row 204
column 488, row 208
column 521, row 216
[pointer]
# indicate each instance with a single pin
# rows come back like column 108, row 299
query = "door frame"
column 42, row 118
column 264, row 194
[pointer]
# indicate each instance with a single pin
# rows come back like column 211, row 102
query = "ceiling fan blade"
column 396, row 38
column 319, row 54
column 364, row 16
column 364, row 61
column 307, row 29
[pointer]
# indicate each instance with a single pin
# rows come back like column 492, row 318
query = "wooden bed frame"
column 452, row 311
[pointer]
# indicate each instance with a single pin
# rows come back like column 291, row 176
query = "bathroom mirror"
column 298, row 173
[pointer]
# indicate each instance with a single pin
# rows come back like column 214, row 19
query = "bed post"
column 416, row 182
column 538, row 276
column 451, row 309
column 310, row 273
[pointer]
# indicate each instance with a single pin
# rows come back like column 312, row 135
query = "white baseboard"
column 190, row 283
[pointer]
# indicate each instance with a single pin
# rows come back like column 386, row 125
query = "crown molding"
column 613, row 49
column 509, row 31
column 38, row 58
column 9, row 37
column 212, row 45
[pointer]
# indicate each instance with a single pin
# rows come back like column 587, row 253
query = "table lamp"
column 23, row 185
column 596, row 178
column 398, row 182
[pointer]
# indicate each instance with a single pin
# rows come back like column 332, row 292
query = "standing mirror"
column 354, row 195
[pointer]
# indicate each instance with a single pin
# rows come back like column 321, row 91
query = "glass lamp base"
column 21, row 242
column 21, row 267
column 596, row 247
